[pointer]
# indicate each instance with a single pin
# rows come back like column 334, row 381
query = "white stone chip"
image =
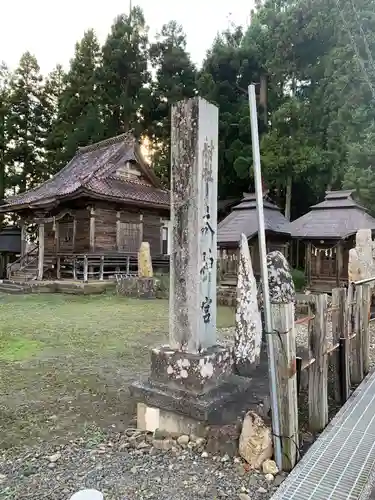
column 87, row 495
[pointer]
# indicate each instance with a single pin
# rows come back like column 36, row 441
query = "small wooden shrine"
column 243, row 219
column 327, row 233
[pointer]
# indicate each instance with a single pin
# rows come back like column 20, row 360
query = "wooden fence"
column 345, row 355
column 88, row 267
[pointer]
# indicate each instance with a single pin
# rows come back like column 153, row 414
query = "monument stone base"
column 134, row 286
column 188, row 392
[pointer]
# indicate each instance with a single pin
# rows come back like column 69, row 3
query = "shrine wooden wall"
column 114, row 230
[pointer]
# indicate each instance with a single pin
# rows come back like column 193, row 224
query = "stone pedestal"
column 133, row 286
column 187, row 392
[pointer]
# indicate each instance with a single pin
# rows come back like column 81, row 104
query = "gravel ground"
column 125, row 468
column 121, row 472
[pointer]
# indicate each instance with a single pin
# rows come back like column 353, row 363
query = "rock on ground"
column 255, row 444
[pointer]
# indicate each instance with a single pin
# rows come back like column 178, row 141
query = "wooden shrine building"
column 92, row 215
column 328, row 233
column 243, row 219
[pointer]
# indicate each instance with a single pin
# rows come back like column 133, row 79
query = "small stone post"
column 361, row 262
column 145, row 261
column 282, row 299
column 248, row 328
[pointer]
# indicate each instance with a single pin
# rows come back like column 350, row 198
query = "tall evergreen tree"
column 123, row 74
column 79, row 121
column 223, row 80
column 314, row 53
column 175, row 79
column 4, row 114
column 53, row 91
column 27, row 125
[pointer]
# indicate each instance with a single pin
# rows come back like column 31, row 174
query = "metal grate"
column 341, row 462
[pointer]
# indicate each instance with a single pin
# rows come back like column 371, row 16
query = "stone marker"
column 248, row 328
column 361, row 261
column 192, row 376
column 193, row 259
column 87, row 495
column 145, row 261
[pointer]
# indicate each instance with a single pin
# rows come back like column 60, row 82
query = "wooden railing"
column 344, row 354
column 99, row 266
column 94, row 266
column 23, row 261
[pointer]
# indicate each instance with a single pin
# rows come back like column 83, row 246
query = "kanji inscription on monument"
column 194, row 161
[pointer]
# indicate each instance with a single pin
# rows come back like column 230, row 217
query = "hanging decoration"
column 328, row 252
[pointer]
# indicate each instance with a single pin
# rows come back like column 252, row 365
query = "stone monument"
column 361, row 259
column 145, row 261
column 192, row 379
column 248, row 329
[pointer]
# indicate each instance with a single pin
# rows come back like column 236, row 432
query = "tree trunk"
column 2, row 179
column 288, row 197
column 2, row 188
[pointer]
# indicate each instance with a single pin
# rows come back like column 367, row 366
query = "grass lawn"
column 66, row 361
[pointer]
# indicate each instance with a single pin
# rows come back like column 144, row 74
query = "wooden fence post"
column 58, row 268
column 85, row 269
column 299, row 371
column 350, row 323
column 101, row 272
column 74, row 268
column 282, row 297
column 357, row 351
column 318, row 371
column 344, row 369
column 338, row 331
column 366, row 297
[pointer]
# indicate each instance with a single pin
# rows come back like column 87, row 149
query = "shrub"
column 298, row 279
column 162, row 285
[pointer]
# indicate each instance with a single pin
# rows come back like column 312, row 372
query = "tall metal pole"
column 264, row 274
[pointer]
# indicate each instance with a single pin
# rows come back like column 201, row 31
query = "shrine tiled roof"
column 243, row 219
column 91, row 172
column 337, row 217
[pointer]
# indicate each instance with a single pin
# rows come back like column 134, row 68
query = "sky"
column 49, row 30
